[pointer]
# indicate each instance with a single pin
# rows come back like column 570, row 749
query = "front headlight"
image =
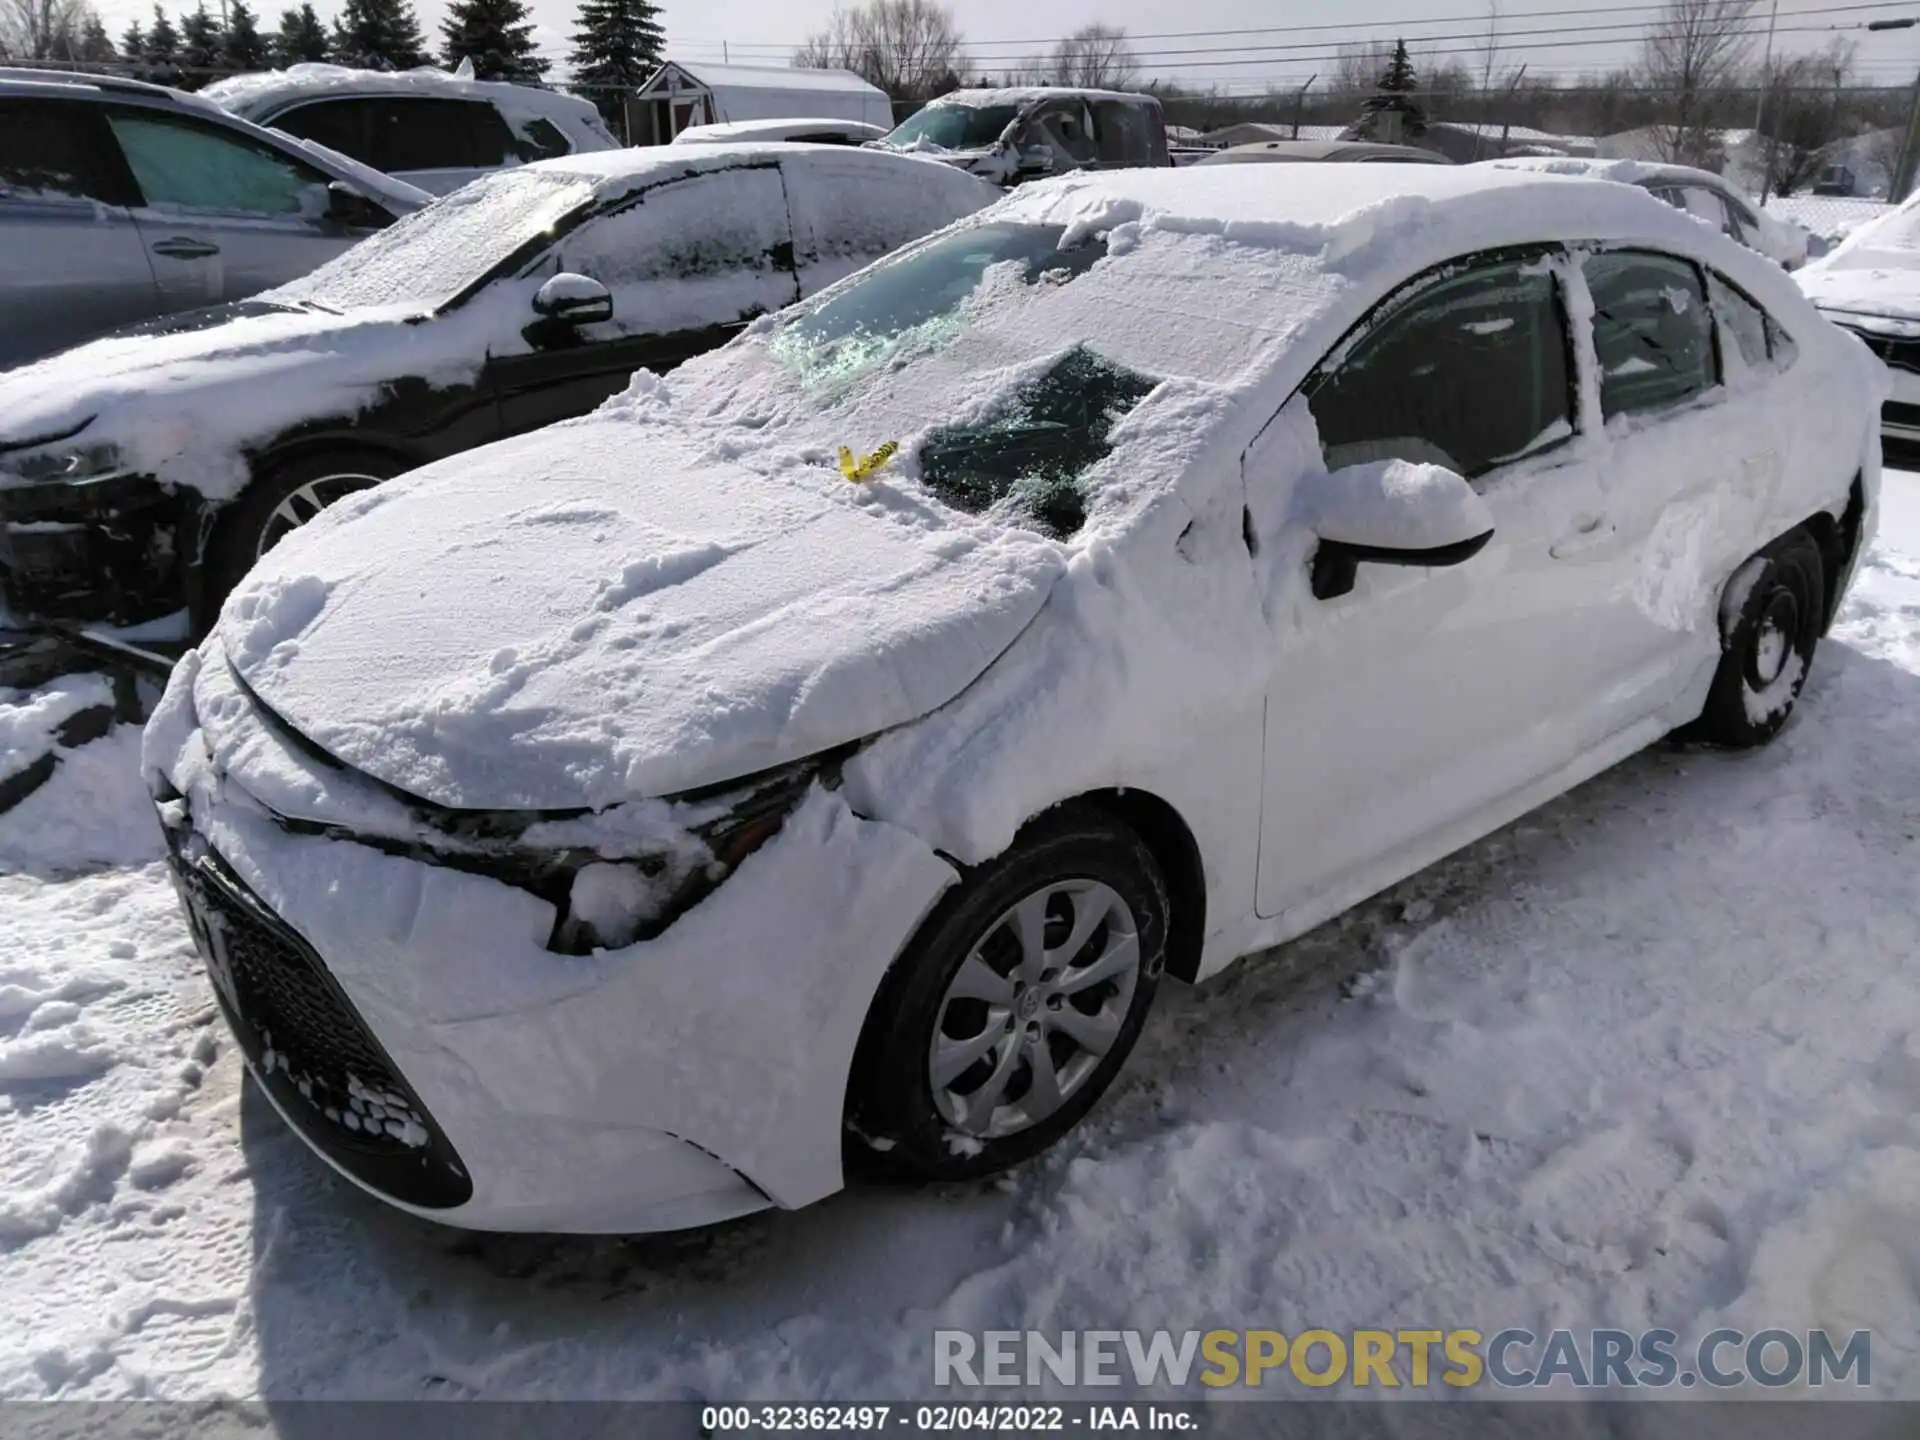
column 613, row 901
column 84, row 464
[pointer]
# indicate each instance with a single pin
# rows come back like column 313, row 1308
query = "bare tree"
column 1803, row 115
column 42, row 29
column 1356, row 67
column 909, row 48
column 1097, row 57
column 1690, row 54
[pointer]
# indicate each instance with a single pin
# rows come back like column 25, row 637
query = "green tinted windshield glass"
column 918, row 302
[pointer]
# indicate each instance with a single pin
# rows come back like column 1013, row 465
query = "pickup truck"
column 1012, row 135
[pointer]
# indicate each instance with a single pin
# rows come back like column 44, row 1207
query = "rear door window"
column 428, row 133
column 541, row 139
column 1471, row 372
column 1652, row 331
column 1742, row 323
column 52, row 150
column 342, row 125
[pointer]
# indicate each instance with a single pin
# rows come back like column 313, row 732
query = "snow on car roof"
column 747, row 130
column 1626, row 172
column 613, row 173
column 777, row 77
column 1027, row 94
column 263, row 91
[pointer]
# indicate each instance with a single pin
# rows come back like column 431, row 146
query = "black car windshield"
column 429, row 258
column 954, row 127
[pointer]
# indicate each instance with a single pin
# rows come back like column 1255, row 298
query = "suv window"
column 47, row 152
column 1471, row 372
column 1125, row 133
column 540, row 139
column 1061, row 125
column 406, row 132
column 182, row 163
column 1652, row 331
column 420, row 133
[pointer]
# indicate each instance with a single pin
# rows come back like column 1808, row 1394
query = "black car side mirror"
column 570, row 299
column 347, row 206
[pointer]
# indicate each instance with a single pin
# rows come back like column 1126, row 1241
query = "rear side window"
column 1652, row 332
column 1471, row 372
column 540, row 139
column 180, row 164
column 851, row 207
column 1742, row 323
column 1061, row 126
column 47, row 152
column 1124, row 131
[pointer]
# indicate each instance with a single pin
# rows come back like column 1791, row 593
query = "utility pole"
column 1300, row 102
column 1760, row 103
column 1902, row 180
column 1506, row 124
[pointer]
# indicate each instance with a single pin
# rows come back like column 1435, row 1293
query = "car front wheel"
column 1771, row 618
column 1015, row 1006
column 279, row 501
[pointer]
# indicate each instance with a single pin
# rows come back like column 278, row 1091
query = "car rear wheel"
column 281, row 500
column 1771, row 619
column 1014, row 1007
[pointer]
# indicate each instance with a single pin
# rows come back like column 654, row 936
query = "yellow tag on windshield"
column 863, row 468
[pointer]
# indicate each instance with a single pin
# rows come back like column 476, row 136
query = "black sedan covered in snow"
column 145, row 472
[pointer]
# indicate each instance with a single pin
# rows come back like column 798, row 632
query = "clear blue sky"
column 1574, row 39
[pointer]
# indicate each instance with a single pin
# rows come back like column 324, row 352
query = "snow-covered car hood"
column 601, row 612
column 1891, row 294
column 180, row 398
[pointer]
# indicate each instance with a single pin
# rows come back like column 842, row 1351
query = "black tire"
column 896, row 1126
column 255, row 522
column 1766, row 645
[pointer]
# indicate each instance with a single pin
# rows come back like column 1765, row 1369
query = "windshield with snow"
column 431, row 256
column 1033, row 436
column 954, row 127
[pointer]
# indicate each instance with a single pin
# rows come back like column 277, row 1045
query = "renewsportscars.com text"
column 1402, row 1358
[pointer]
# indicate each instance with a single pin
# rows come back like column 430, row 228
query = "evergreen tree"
column 379, row 35
column 616, row 46
column 1398, row 78
column 246, row 47
column 1391, row 113
column 96, row 46
column 300, row 38
column 160, row 53
column 133, row 44
column 497, row 35
column 202, row 49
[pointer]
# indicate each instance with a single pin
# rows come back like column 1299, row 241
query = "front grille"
column 306, row 1044
column 1900, row 352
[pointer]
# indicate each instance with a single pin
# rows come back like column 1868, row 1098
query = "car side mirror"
column 1389, row 512
column 570, row 299
column 347, row 206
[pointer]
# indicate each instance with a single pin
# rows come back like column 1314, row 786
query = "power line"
column 1347, row 27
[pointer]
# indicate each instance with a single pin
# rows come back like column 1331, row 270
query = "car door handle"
column 185, row 247
column 1588, row 531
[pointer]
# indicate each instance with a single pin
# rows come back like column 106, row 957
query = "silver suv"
column 120, row 201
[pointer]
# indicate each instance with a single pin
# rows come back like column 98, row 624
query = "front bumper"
column 113, row 551
column 679, row 1081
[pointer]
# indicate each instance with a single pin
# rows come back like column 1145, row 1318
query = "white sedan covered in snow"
column 1870, row 284
column 829, row 746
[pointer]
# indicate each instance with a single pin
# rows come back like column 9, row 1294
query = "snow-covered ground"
column 1650, row 1056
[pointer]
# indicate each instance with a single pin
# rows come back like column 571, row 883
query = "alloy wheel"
column 304, row 502
column 1033, row 1008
